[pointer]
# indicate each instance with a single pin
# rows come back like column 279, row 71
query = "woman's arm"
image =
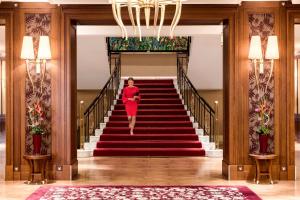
column 124, row 96
column 137, row 97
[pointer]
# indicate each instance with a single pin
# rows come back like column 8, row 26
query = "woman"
column 131, row 98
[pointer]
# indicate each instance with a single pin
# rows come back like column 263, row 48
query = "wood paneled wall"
column 236, row 71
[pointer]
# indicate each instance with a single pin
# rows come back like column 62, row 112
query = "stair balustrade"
column 202, row 112
column 98, row 109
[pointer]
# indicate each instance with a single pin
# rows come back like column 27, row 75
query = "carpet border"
column 250, row 194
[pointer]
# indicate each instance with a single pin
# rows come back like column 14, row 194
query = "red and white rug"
column 144, row 193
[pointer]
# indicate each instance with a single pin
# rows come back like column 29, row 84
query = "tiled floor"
column 157, row 171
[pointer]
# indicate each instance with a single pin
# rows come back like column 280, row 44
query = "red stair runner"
column 163, row 127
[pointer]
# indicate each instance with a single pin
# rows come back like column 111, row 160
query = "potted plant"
column 263, row 129
column 36, row 120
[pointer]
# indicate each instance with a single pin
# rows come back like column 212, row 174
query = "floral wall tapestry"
column 37, row 25
column 262, row 25
column 148, row 44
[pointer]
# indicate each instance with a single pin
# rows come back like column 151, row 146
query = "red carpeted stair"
column 163, row 127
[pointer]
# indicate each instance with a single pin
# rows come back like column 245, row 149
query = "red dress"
column 131, row 106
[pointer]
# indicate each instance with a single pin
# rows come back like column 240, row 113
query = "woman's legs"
column 129, row 121
column 130, row 124
column 133, row 120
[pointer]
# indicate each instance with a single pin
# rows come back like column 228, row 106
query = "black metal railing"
column 98, row 109
column 199, row 108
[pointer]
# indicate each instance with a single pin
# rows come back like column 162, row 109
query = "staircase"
column 163, row 127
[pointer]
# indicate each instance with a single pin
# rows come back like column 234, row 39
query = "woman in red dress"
column 131, row 98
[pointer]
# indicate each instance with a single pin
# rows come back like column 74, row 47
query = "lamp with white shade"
column 272, row 52
column 27, row 52
column 44, row 54
column 255, row 52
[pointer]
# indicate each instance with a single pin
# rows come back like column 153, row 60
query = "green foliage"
column 148, row 44
column 263, row 130
column 37, row 130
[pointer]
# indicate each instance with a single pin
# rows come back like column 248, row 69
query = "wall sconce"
column 256, row 55
column 44, row 54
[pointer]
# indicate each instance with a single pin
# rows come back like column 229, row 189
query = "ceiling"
column 114, row 31
column 107, row 1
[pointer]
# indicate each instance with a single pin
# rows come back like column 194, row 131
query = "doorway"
column 202, row 45
column 98, row 18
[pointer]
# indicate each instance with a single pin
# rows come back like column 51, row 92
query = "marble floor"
column 155, row 171
column 158, row 171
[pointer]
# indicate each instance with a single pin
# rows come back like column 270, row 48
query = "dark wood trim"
column 7, row 15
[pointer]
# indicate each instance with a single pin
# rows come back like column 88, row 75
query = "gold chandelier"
column 159, row 7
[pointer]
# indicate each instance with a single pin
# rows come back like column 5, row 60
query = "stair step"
column 149, row 152
column 149, row 144
column 153, row 112
column 152, row 106
column 153, row 85
column 142, row 130
column 156, row 95
column 157, row 90
column 137, row 81
column 156, row 101
column 118, row 137
column 151, row 118
column 163, row 127
column 151, row 124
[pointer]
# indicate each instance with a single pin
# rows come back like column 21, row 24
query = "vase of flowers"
column 36, row 120
column 263, row 129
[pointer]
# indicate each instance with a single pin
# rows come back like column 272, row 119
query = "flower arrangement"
column 263, row 116
column 36, row 119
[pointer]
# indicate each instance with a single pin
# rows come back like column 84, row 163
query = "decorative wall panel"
column 262, row 25
column 149, row 44
column 37, row 25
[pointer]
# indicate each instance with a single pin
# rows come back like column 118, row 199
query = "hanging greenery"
column 148, row 44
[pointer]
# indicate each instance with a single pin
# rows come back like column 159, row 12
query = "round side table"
column 34, row 161
column 259, row 159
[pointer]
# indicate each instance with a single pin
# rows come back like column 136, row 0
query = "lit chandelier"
column 159, row 7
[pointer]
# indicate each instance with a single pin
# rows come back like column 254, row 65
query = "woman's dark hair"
column 130, row 79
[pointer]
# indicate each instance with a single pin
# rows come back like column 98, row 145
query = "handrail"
column 100, row 106
column 203, row 113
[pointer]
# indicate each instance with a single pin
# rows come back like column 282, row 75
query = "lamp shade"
column 255, row 51
column 44, row 51
column 27, row 51
column 272, row 51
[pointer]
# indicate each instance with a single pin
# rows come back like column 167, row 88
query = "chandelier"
column 159, row 8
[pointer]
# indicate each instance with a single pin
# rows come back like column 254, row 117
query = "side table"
column 268, row 159
column 33, row 161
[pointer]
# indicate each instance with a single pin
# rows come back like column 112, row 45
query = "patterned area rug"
column 144, row 193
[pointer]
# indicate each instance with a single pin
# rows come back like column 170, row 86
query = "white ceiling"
column 106, row 1
column 114, row 31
